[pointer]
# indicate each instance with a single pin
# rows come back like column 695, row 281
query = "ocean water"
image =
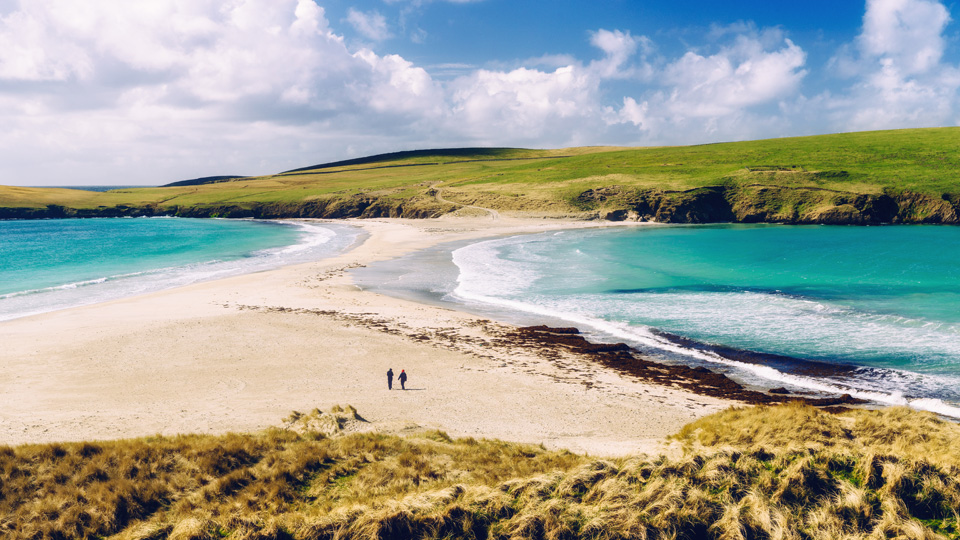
column 47, row 265
column 96, row 188
column 870, row 311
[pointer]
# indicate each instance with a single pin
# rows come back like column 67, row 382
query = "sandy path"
column 241, row 353
column 493, row 214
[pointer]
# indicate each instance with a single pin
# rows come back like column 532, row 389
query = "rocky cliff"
column 752, row 203
column 357, row 206
column 766, row 204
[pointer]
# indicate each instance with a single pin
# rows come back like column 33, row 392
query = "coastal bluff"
column 869, row 178
column 719, row 204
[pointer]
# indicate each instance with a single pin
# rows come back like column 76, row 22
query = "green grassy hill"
column 788, row 472
column 903, row 176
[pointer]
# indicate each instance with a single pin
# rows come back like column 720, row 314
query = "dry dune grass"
column 245, row 486
column 897, row 431
column 857, row 475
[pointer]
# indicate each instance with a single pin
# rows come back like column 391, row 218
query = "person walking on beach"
column 403, row 379
column 389, row 378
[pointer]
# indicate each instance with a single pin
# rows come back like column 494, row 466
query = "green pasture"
column 924, row 161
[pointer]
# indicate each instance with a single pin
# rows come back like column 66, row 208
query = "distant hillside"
column 902, row 176
column 464, row 153
column 204, row 180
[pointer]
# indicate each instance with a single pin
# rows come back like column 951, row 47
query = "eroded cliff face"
column 717, row 204
column 764, row 204
column 330, row 208
column 54, row 211
column 704, row 205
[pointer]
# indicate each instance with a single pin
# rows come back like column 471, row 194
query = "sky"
column 114, row 92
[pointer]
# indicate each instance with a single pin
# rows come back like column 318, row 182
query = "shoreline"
column 127, row 276
column 241, row 353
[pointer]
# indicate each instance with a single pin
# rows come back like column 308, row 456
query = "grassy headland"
column 903, row 176
column 789, row 472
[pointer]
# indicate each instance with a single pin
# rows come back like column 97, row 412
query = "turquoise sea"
column 54, row 264
column 871, row 311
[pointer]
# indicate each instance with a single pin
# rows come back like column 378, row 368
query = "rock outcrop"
column 737, row 203
column 327, row 208
column 769, row 204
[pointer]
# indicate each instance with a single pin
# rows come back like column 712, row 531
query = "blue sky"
column 495, row 31
column 118, row 92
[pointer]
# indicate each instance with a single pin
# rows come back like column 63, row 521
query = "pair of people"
column 402, row 378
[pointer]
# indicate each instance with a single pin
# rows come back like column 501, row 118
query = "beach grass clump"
column 897, row 431
column 243, row 485
column 860, row 474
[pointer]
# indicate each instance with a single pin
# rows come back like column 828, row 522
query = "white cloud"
column 618, row 48
column 631, row 112
column 177, row 85
column 908, row 33
column 901, row 79
column 27, row 55
column 886, row 99
column 716, row 96
column 397, row 87
column 192, row 87
column 113, row 91
column 371, row 25
column 104, row 85
column 737, row 77
column 542, row 107
column 523, row 104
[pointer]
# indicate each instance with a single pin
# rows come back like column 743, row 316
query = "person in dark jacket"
column 389, row 378
column 403, row 379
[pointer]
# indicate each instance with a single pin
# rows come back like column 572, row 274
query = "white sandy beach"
column 240, row 354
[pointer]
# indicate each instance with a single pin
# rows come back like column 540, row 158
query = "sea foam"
column 518, row 274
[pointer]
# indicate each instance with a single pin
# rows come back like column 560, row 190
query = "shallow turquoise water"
column 873, row 297
column 54, row 264
column 47, row 253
